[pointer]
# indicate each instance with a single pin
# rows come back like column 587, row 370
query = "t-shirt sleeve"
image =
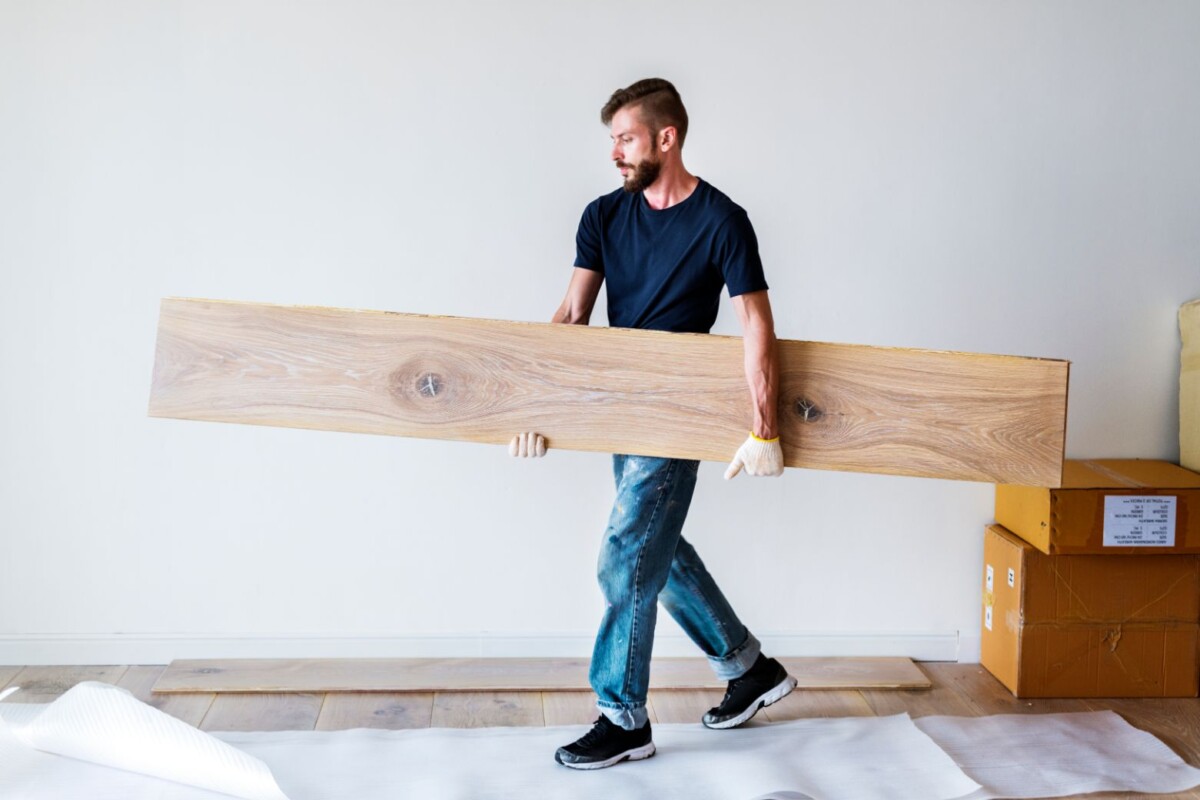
column 737, row 255
column 588, row 253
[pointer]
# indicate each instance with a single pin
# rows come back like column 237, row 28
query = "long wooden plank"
column 963, row 416
column 501, row 674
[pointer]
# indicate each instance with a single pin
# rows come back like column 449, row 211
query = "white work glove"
column 758, row 457
column 527, row 445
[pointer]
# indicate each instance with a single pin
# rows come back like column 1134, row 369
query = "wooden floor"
column 958, row 689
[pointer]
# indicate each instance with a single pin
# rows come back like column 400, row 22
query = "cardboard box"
column 1122, row 506
column 1089, row 625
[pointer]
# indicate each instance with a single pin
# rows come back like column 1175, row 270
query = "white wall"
column 1016, row 177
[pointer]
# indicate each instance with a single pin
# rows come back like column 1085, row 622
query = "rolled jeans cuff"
column 628, row 718
column 739, row 662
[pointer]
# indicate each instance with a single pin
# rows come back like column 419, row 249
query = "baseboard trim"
column 163, row 648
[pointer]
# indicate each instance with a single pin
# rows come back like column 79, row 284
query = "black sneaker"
column 765, row 683
column 606, row 744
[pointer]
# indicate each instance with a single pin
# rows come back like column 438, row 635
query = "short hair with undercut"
column 657, row 102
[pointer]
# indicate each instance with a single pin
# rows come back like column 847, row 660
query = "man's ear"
column 667, row 138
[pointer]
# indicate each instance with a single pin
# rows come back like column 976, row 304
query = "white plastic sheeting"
column 98, row 741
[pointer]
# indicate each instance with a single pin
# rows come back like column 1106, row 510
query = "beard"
column 644, row 174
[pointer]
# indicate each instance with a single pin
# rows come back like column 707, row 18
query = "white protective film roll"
column 106, row 725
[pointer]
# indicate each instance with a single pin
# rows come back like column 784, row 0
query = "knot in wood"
column 807, row 410
column 429, row 385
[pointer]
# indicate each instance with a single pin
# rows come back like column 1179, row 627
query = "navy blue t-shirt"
column 665, row 269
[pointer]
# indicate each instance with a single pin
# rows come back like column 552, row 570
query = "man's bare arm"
column 762, row 360
column 576, row 308
column 761, row 453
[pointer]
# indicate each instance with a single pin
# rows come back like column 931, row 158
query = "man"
column 666, row 243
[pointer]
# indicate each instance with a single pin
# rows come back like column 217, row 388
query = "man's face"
column 633, row 150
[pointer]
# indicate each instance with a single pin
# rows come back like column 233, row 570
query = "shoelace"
column 733, row 687
column 598, row 730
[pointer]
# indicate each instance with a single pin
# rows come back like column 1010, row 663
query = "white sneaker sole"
column 767, row 698
column 636, row 754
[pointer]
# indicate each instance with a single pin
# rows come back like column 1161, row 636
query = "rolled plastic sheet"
column 106, row 725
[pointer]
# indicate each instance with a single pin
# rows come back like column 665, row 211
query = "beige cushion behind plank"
column 1189, row 386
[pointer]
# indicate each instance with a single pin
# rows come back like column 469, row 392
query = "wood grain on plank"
column 862, row 672
column 569, row 708
column 190, row 707
column 980, row 689
column 500, row 674
column 263, row 712
column 487, row 709
column 682, row 705
column 390, row 710
column 7, row 674
column 374, row 674
column 999, row 419
column 940, row 698
column 44, row 684
column 807, row 703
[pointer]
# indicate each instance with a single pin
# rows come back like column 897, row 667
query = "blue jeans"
column 645, row 560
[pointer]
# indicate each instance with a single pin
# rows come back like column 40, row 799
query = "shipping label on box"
column 1139, row 521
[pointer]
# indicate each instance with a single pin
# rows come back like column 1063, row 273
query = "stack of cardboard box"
column 1093, row 589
